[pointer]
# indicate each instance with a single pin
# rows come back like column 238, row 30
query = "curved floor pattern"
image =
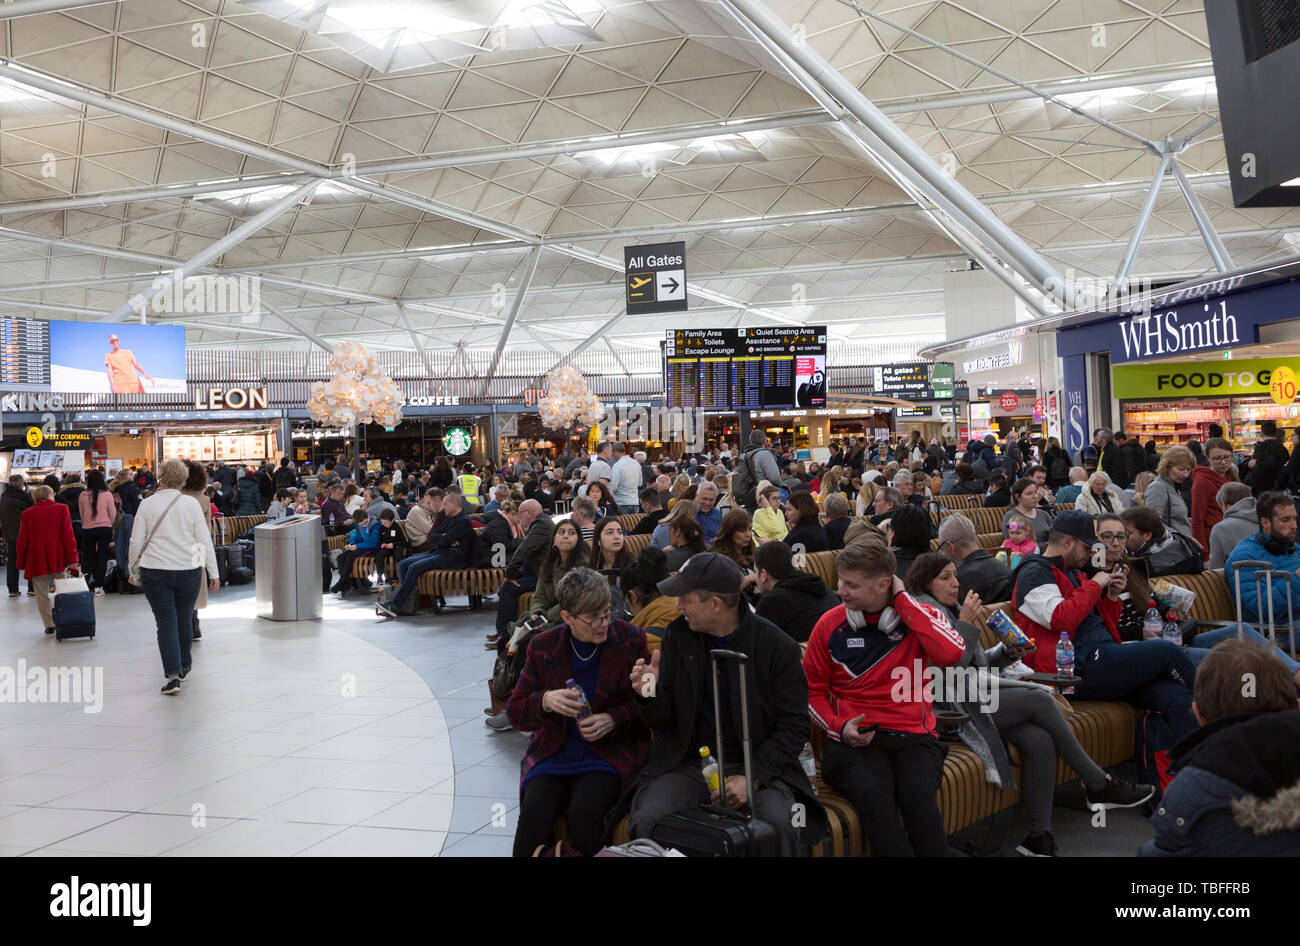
column 265, row 752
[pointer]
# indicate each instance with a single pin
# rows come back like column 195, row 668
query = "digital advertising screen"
column 117, row 358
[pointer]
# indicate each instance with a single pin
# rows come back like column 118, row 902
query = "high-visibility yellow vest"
column 468, row 484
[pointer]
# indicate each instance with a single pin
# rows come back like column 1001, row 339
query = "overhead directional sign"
column 655, row 277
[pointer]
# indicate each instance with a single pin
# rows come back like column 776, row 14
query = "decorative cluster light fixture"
column 360, row 392
column 568, row 400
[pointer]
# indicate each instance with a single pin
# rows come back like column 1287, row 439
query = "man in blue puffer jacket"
column 362, row 540
column 1274, row 543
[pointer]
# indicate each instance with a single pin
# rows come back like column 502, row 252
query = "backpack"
column 743, row 476
column 1060, row 468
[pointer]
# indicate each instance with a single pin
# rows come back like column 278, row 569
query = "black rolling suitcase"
column 720, row 831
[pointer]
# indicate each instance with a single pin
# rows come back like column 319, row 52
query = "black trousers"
column 896, row 772
column 583, row 800
column 346, row 558
column 12, row 571
column 94, row 552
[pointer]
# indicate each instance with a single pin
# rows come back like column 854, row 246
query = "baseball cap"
column 704, row 571
column 1077, row 524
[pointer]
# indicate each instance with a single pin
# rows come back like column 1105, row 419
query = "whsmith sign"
column 1194, row 326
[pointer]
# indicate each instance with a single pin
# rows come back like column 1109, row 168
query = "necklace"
column 574, row 645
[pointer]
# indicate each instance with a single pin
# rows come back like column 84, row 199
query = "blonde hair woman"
column 866, row 496
column 830, row 484
column 679, row 488
column 1163, row 495
column 1144, row 479
column 170, row 546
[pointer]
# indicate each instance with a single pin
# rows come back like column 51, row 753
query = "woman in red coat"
column 46, row 547
column 1206, row 480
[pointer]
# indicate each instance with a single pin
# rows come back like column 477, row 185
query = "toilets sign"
column 655, row 278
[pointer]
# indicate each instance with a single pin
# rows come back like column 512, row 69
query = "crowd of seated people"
column 724, row 566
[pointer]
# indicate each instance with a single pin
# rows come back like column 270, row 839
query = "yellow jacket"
column 769, row 524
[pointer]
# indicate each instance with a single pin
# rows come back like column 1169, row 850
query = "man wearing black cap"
column 674, row 694
column 1054, row 598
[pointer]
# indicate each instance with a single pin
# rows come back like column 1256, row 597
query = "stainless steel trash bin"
column 289, row 568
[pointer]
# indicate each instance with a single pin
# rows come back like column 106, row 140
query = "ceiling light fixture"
column 393, row 35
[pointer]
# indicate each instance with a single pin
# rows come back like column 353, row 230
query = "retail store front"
column 1172, row 402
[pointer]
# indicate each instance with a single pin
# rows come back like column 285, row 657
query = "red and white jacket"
column 1050, row 600
column 873, row 665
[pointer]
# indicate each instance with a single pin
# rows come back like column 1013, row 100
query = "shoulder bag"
column 134, row 567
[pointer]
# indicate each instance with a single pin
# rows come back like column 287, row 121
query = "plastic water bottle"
column 1065, row 659
column 808, row 761
column 579, row 694
column 709, row 766
column 1172, row 631
column 1152, row 626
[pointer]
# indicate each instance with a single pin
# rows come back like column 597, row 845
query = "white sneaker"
column 99, row 592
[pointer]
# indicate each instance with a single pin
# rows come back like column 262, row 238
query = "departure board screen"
column 24, row 351
column 746, row 368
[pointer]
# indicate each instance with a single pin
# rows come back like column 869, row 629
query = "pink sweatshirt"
column 98, row 518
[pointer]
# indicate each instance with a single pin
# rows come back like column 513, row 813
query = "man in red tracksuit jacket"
column 865, row 664
column 1052, row 596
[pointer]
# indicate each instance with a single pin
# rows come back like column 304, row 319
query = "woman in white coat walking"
column 170, row 547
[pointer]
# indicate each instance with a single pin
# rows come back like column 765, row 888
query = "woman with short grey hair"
column 170, row 547
column 588, row 742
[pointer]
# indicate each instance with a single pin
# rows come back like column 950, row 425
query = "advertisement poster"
column 117, row 358
column 810, row 380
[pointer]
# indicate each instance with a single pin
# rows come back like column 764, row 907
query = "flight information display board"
column 24, row 351
column 914, row 381
column 747, row 368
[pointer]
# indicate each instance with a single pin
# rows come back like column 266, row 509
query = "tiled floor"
column 346, row 736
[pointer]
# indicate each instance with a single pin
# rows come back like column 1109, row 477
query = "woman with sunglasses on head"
column 588, row 741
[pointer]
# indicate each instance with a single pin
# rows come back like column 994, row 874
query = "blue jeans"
column 1207, row 639
column 508, row 596
column 171, row 594
column 1153, row 675
column 411, row 568
column 629, row 509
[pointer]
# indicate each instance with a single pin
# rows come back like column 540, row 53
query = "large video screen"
column 729, row 369
column 117, row 358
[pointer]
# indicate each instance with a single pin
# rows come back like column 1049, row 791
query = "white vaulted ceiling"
column 783, row 216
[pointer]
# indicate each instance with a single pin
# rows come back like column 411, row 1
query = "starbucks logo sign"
column 457, row 441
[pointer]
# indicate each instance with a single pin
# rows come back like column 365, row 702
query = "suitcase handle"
column 741, row 660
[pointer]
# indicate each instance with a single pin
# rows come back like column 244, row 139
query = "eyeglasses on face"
column 596, row 622
column 1112, row 536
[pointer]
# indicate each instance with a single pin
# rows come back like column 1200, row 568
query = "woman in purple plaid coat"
column 588, row 743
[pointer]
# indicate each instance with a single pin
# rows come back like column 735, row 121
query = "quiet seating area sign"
column 655, row 277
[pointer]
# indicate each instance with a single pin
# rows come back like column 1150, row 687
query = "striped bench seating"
column 226, row 529
column 963, row 501
column 629, row 520
column 636, row 544
column 989, row 540
column 985, row 520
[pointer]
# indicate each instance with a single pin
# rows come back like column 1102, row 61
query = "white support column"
column 1140, row 226
column 204, row 257
column 530, row 267
column 1218, row 252
column 804, row 63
